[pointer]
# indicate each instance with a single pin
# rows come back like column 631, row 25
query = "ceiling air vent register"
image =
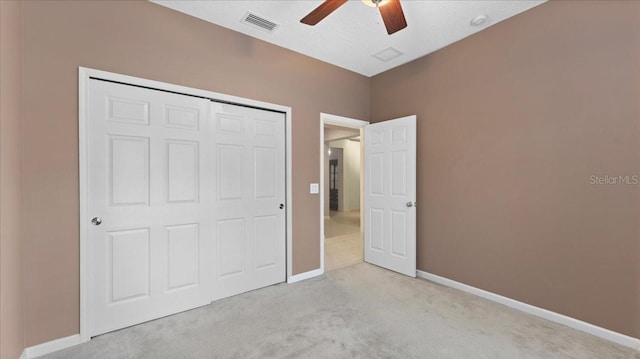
column 387, row 54
column 259, row 22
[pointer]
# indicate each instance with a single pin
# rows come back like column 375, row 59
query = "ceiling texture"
column 354, row 36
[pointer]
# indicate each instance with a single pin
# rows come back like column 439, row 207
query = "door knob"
column 96, row 221
column 281, row 206
column 409, row 204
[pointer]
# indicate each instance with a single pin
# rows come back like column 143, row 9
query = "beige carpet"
column 360, row 311
column 342, row 251
column 343, row 240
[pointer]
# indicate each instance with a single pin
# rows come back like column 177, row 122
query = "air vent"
column 387, row 54
column 259, row 22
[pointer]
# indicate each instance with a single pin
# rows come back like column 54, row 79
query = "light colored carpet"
column 343, row 240
column 342, row 223
column 342, row 251
column 360, row 311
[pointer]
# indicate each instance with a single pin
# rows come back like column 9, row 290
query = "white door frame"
column 84, row 75
column 328, row 119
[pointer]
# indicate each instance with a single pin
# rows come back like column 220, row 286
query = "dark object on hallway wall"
column 333, row 185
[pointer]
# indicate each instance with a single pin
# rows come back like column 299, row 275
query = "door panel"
column 249, row 149
column 375, row 229
column 184, row 255
column 399, row 233
column 264, row 173
column 129, row 170
column 182, row 180
column 145, row 181
column 231, row 249
column 128, row 110
column 266, row 234
column 230, row 172
column 181, row 117
column 129, row 278
column 390, row 193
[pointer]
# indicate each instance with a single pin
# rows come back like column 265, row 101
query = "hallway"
column 343, row 240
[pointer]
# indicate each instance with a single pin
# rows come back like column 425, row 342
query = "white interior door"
column 390, row 195
column 249, row 214
column 149, row 245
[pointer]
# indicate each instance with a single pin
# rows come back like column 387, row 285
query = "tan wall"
column 512, row 122
column 146, row 40
column 11, row 324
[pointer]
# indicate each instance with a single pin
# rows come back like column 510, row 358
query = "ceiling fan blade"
column 393, row 16
column 322, row 11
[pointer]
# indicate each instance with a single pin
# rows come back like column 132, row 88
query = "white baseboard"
column 50, row 347
column 23, row 355
column 305, row 275
column 538, row 312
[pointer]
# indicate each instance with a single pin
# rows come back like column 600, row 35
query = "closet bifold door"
column 249, row 214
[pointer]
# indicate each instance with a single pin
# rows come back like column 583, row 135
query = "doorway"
column 387, row 226
column 342, row 189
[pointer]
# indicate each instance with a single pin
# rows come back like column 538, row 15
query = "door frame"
column 329, row 119
column 84, row 75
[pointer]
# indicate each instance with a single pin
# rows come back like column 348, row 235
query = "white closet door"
column 249, row 214
column 150, row 195
column 390, row 195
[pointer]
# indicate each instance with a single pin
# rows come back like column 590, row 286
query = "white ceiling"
column 351, row 35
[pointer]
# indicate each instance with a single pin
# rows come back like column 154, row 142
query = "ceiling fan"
column 391, row 12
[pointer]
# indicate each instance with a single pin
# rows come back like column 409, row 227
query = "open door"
column 390, row 195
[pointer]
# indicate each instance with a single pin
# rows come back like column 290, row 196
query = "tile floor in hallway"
column 343, row 240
